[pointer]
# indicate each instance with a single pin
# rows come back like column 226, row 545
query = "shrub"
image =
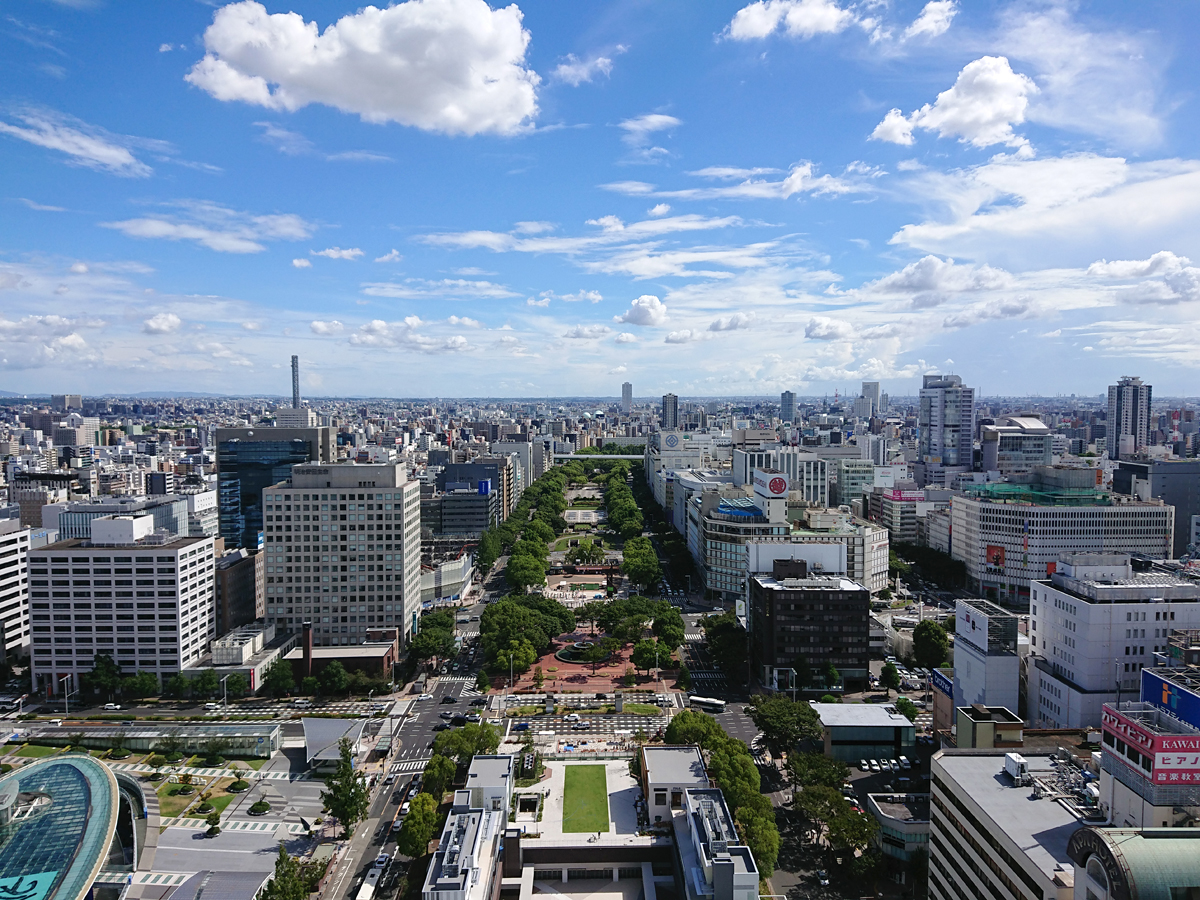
column 238, row 787
column 260, row 807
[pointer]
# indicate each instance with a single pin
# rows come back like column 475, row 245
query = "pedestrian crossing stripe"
column 409, row 765
column 458, row 679
column 232, row 824
column 694, row 636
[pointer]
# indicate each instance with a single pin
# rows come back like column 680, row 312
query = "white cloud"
column 543, row 302
column 325, row 328
column 987, row 99
column 575, row 71
column 533, row 227
column 640, row 132
column 798, row 18
column 934, row 19
column 79, row 268
column 216, row 227
column 1173, row 279
column 686, row 336
column 453, row 66
column 464, row 321
column 734, row 322
column 625, row 338
column 800, row 179
column 931, row 281
column 823, row 328
column 338, row 253
column 84, row 144
column 420, row 288
column 162, row 323
column 390, row 256
column 646, row 310
column 41, row 207
column 302, row 263
column 659, row 209
column 293, row 143
column 579, row 296
column 587, row 332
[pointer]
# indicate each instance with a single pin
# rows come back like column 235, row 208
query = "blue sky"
column 447, row 198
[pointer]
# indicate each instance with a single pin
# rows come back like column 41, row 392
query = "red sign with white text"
column 1175, row 757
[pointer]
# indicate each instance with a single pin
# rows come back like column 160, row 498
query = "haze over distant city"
column 442, row 198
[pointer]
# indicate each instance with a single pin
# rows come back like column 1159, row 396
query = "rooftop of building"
column 902, row 807
column 1038, row 824
column 490, row 771
column 1154, row 863
column 1151, row 718
column 222, row 885
column 59, row 818
column 158, row 541
column 813, row 582
column 322, row 736
column 985, row 607
column 679, row 765
column 977, row 713
column 877, row 715
column 1186, row 677
column 359, row 651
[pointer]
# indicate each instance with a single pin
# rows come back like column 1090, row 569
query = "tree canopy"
column 438, row 775
column 889, row 678
column 346, row 796
column 726, row 639
column 783, row 721
column 931, row 645
column 418, row 827
column 286, row 883
column 462, row 744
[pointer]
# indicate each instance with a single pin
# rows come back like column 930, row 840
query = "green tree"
column 644, row 655
column 310, row 686
column 419, row 825
column 685, row 678
column 524, row 572
column 117, row 742
column 784, row 722
column 462, row 744
column 590, row 612
column 832, row 675
column 431, row 642
column 213, row 820
column 143, row 684
column 205, row 684
column 889, row 678
column 726, row 639
column 692, row 727
column 907, row 708
column 439, row 774
column 821, row 803
column 170, row 744
column 482, row 682
column 851, row 830
column 519, row 654
column 286, row 883
column 803, row 672
column 214, row 751
column 236, row 685
column 176, row 686
column 594, row 655
column 761, row 835
column 931, row 645
column 278, row 680
column 105, row 676
column 809, row 769
column 156, row 762
column 334, row 679
column 538, row 678
column 346, row 796
column 538, row 530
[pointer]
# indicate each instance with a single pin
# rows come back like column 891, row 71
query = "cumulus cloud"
column 1169, row 278
column 542, row 301
column 216, row 227
column 338, row 253
column 930, row 281
column 390, row 256
column 625, row 338
column 823, row 328
column 301, row 263
column 33, row 341
column 464, row 321
column 987, row 99
column 646, row 310
column 79, row 268
column 326, row 328
column 84, row 145
column 734, row 322
column 579, row 296
column 420, row 288
column 575, row 71
column 659, row 209
column 452, row 66
column 686, row 336
column 162, row 323
column 1014, row 308
column 796, row 18
column 382, row 334
column 934, row 19
column 587, row 332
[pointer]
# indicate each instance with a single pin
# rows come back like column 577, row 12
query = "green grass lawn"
column 585, row 799
column 170, row 805
column 254, row 764
column 36, row 752
column 642, row 709
column 219, row 804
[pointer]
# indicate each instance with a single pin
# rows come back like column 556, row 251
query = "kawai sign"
column 771, row 484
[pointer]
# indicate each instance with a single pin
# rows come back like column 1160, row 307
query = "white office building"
column 1094, row 623
column 986, row 665
column 14, row 587
column 1127, row 429
column 143, row 597
column 343, row 548
column 946, row 423
column 1015, row 444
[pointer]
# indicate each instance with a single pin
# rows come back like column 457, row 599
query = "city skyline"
column 729, row 200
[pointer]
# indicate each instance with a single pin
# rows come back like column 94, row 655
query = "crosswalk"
column 694, row 637
column 409, row 765
column 599, row 726
column 469, row 690
column 708, row 680
column 232, row 824
column 211, row 772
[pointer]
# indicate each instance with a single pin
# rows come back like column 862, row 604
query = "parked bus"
column 707, row 704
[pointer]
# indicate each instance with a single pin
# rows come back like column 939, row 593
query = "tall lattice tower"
column 295, row 382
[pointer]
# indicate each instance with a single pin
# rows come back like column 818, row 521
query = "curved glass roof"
column 57, row 818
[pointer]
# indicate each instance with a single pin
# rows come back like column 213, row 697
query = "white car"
column 571, row 717
column 425, row 697
column 874, row 764
column 864, row 766
column 111, row 707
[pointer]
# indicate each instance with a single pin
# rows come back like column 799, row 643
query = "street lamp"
column 225, row 692
column 67, row 695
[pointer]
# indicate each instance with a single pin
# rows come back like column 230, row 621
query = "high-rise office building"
column 787, row 407
column 946, row 423
column 870, row 391
column 670, row 412
column 343, row 551
column 159, row 592
column 250, row 459
column 1128, row 427
column 1174, row 481
column 627, row 398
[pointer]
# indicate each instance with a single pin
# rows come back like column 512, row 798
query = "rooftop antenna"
column 295, row 382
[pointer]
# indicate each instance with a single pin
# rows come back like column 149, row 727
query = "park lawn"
column 220, row 799
column 642, row 709
column 36, row 751
column 585, row 799
column 254, row 764
column 171, row 805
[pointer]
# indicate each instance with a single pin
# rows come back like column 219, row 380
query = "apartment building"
column 14, row 588
column 143, row 597
column 343, row 551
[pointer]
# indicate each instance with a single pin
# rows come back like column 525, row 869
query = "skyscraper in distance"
column 1128, row 426
column 627, row 398
column 946, row 429
column 670, row 413
column 870, row 391
column 295, row 382
column 787, row 407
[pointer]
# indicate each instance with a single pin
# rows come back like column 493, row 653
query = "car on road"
column 864, row 766
column 111, row 707
column 479, row 701
column 446, row 715
column 571, row 717
column 397, row 824
column 391, row 778
column 822, row 878
column 382, row 860
column 440, row 726
column 425, row 697
column 404, row 809
column 474, row 717
column 581, row 725
column 449, row 699
column 302, row 704
column 521, row 726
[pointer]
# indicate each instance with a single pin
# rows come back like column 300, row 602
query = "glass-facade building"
column 244, row 469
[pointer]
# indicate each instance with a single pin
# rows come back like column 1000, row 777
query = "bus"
column 707, row 703
column 367, row 890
